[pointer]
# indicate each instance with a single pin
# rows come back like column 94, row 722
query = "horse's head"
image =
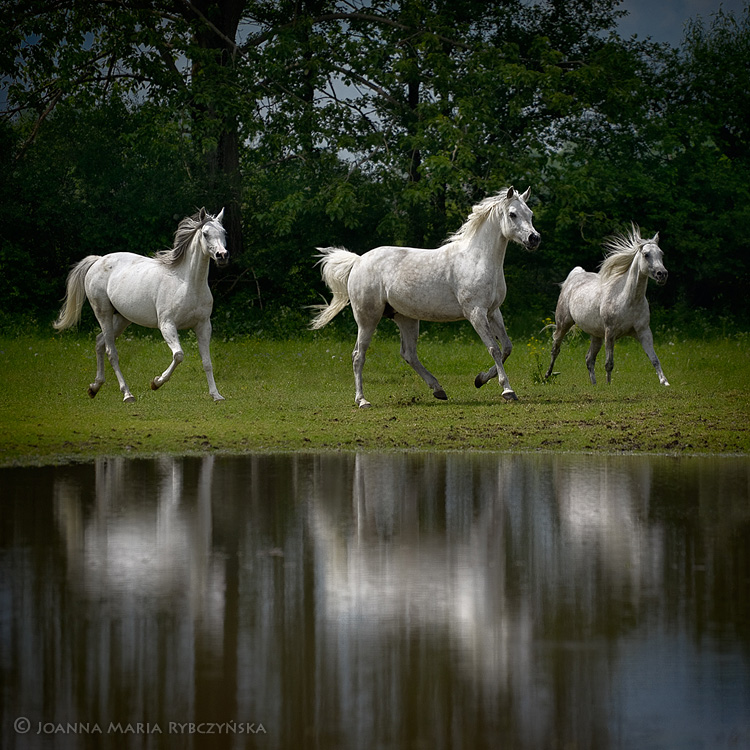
column 214, row 237
column 518, row 223
column 650, row 260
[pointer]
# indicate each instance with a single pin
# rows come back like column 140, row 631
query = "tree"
column 366, row 122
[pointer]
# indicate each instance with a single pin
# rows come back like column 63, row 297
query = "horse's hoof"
column 364, row 404
column 129, row 400
column 218, row 397
column 479, row 381
column 440, row 394
column 510, row 395
column 154, row 385
column 93, row 391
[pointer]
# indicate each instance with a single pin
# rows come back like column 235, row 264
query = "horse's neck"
column 489, row 245
column 196, row 265
column 632, row 285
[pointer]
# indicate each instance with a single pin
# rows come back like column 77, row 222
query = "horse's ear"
column 202, row 214
column 655, row 239
column 526, row 195
column 220, row 216
column 511, row 192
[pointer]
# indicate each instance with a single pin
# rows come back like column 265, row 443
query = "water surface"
column 377, row 601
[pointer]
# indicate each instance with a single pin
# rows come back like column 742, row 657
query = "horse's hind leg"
column 497, row 325
column 364, row 336
column 112, row 327
column 596, row 345
column 609, row 353
column 100, row 357
column 409, row 328
column 562, row 326
column 169, row 332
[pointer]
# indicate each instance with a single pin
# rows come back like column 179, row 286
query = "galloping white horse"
column 612, row 303
column 462, row 279
column 168, row 291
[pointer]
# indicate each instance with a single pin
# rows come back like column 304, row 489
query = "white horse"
column 168, row 291
column 612, row 303
column 462, row 279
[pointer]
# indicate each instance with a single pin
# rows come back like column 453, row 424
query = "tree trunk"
column 218, row 23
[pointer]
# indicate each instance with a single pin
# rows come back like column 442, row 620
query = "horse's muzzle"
column 222, row 259
column 661, row 277
column 532, row 243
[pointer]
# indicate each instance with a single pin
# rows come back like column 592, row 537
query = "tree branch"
column 256, row 41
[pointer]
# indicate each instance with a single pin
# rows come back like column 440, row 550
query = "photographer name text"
column 23, row 725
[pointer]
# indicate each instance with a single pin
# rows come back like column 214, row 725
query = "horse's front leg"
column 647, row 342
column 497, row 325
column 481, row 323
column 169, row 332
column 203, row 333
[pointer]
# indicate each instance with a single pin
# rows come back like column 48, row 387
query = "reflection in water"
column 377, row 601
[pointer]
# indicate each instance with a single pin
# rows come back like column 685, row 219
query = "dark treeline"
column 365, row 122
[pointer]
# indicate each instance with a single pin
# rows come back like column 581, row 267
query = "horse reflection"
column 603, row 509
column 144, row 545
column 425, row 553
column 484, row 558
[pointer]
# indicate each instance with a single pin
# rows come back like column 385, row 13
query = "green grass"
column 299, row 395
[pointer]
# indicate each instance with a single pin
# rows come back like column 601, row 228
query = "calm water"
column 377, row 601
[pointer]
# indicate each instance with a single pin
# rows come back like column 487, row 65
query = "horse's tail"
column 336, row 265
column 75, row 294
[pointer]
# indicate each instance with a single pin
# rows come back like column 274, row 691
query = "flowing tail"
column 336, row 265
column 75, row 295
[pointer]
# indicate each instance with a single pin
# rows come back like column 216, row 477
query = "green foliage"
column 323, row 123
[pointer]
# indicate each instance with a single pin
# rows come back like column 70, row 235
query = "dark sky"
column 664, row 20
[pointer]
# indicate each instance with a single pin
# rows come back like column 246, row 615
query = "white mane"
column 184, row 235
column 480, row 213
column 620, row 250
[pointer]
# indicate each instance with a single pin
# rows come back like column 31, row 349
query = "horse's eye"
column 512, row 214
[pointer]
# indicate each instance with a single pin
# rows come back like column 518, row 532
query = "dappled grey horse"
column 612, row 303
column 462, row 279
column 168, row 291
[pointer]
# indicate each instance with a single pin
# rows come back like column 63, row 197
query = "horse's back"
column 393, row 265
column 418, row 283
column 125, row 274
column 133, row 284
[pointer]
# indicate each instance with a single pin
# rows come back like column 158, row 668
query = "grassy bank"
column 298, row 395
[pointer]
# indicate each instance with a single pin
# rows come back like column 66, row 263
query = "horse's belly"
column 135, row 302
column 582, row 291
column 426, row 307
column 588, row 320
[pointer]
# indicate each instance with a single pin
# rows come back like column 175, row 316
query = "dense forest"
column 366, row 122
